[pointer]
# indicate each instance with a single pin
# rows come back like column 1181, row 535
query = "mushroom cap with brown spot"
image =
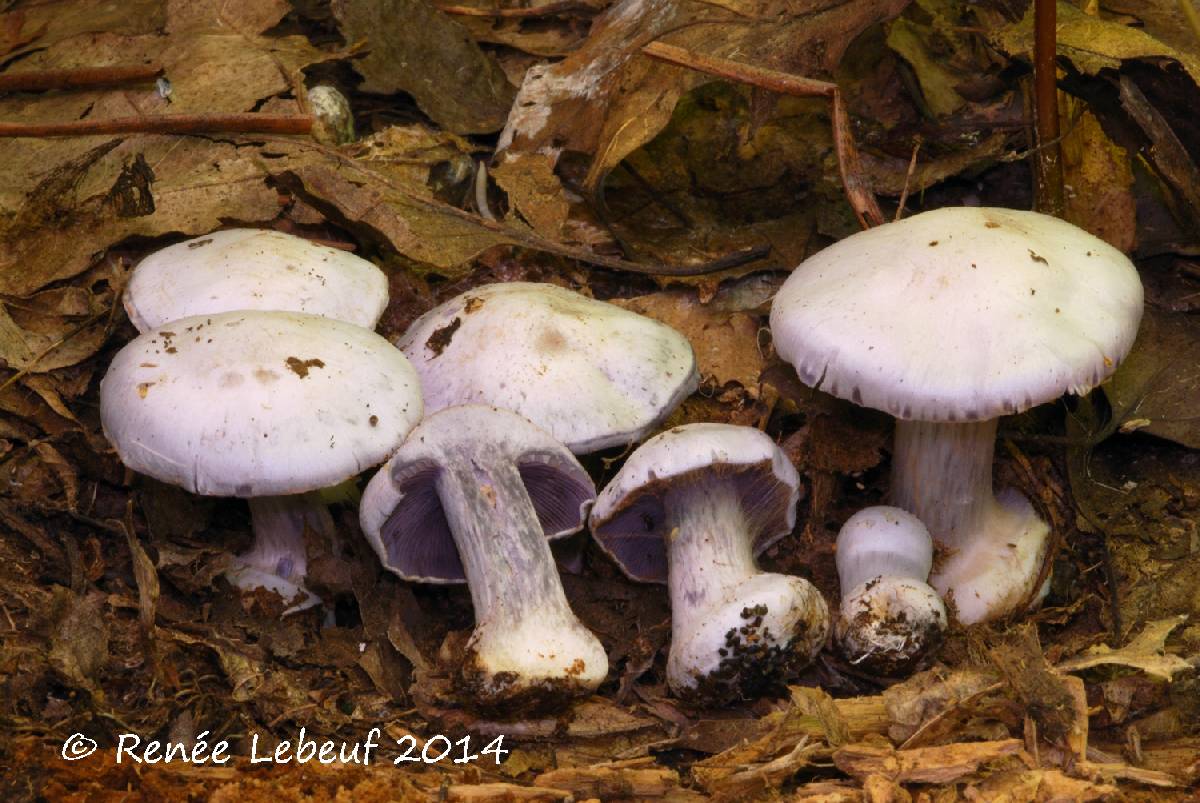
column 592, row 374
column 244, row 269
column 959, row 314
column 257, row 403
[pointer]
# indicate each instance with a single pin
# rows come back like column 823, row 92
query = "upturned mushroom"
column 473, row 496
column 267, row 406
column 692, row 507
column 260, row 269
column 890, row 617
column 949, row 320
column 590, row 373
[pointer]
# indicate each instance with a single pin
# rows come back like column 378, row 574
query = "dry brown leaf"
column 1146, row 651
column 1099, row 181
column 726, row 343
column 73, row 218
column 607, row 100
column 412, row 47
column 1157, row 387
column 1093, row 43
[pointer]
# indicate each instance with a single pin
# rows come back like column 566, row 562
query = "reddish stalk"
column 854, row 181
column 165, row 124
column 1049, row 168
column 34, row 80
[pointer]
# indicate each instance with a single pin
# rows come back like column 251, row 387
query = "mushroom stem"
column 278, row 561
column 505, row 556
column 942, row 473
column 995, row 544
column 708, row 551
column 735, row 630
column 279, row 523
column 527, row 640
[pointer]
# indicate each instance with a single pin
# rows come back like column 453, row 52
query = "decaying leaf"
column 414, row 48
column 1147, row 652
column 939, row 764
column 1093, row 43
column 606, row 99
column 1157, row 386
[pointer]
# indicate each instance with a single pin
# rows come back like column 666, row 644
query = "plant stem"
column 165, row 124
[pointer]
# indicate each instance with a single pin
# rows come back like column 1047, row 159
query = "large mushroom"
column 949, row 320
column 268, row 406
column 692, row 507
column 590, row 373
column 473, row 496
column 242, row 269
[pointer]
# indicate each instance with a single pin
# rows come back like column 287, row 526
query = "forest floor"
column 685, row 197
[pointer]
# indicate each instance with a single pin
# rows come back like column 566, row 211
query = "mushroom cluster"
column 258, row 375
column 949, row 320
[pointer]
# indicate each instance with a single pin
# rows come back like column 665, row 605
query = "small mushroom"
column 473, row 496
column 267, row 406
column 259, row 269
column 692, row 507
column 949, row 320
column 890, row 616
column 590, row 373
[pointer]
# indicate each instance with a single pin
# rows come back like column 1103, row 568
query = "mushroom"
column 473, row 495
column 692, row 507
column 242, row 269
column 949, row 320
column 268, row 406
column 890, row 616
column 592, row 374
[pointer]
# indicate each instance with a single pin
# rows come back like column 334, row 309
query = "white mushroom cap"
column 244, row 269
column 628, row 518
column 257, row 403
column 591, row 373
column 889, row 616
column 959, row 314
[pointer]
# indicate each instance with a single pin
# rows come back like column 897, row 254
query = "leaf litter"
column 537, row 142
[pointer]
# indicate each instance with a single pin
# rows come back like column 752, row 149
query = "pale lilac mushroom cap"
column 261, row 405
column 692, row 507
column 591, row 373
column 948, row 320
column 257, row 269
column 473, row 496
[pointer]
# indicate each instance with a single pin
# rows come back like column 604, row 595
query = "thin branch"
column 545, row 10
column 165, row 124
column 854, row 180
column 1045, row 93
column 912, row 168
column 33, row 80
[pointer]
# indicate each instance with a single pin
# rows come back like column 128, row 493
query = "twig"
column 912, row 168
column 545, row 10
column 1045, row 93
column 26, row 80
column 165, row 124
column 854, row 181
